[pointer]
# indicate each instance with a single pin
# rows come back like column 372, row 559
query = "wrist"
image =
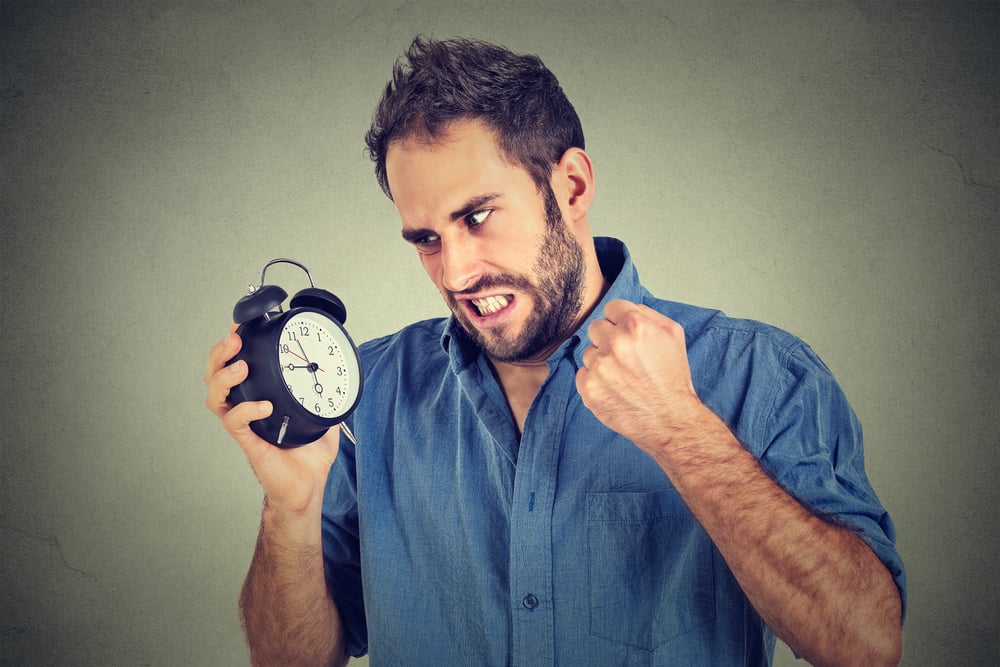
column 675, row 423
column 298, row 527
column 693, row 433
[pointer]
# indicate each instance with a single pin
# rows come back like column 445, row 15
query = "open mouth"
column 491, row 305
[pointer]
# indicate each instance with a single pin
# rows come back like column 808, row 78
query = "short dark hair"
column 438, row 82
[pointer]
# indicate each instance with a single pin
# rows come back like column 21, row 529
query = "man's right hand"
column 288, row 616
column 293, row 479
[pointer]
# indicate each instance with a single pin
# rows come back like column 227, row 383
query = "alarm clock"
column 301, row 360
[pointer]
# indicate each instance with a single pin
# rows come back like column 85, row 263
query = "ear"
column 573, row 183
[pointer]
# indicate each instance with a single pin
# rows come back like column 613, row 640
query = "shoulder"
column 750, row 372
column 713, row 328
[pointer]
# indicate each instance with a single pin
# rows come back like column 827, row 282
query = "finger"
column 222, row 352
column 671, row 327
column 589, row 357
column 600, row 331
column 615, row 311
column 583, row 383
column 634, row 316
column 221, row 383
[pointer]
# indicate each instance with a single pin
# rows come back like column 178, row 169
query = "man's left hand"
column 636, row 377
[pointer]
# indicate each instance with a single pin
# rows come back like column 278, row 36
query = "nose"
column 460, row 264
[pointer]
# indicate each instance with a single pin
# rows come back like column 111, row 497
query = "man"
column 568, row 470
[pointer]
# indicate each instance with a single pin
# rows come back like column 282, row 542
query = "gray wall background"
column 830, row 168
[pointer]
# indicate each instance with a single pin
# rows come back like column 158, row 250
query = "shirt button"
column 529, row 602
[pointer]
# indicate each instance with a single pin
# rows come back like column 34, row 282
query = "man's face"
column 497, row 249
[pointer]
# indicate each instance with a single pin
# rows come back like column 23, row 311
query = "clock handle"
column 285, row 260
column 266, row 298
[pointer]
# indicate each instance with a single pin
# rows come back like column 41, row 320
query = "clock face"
column 319, row 364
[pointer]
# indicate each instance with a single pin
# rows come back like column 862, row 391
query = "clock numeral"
column 332, row 350
column 285, row 349
column 329, row 402
column 340, row 371
column 291, row 335
column 303, row 331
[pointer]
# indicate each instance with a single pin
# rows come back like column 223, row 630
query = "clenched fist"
column 636, row 377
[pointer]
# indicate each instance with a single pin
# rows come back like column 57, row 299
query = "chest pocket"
column 651, row 568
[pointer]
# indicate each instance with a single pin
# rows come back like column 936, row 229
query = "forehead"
column 465, row 141
column 426, row 174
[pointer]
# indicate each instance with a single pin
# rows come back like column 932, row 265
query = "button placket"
column 531, row 537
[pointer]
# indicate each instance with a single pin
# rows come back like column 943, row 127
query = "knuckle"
column 675, row 326
column 618, row 345
column 633, row 322
column 233, row 420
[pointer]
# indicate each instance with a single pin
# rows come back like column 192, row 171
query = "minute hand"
column 317, row 387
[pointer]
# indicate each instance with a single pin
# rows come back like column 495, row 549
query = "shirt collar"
column 616, row 265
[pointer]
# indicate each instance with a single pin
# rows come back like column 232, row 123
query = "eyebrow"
column 474, row 204
column 414, row 235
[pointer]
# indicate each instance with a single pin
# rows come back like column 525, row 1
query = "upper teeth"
column 490, row 304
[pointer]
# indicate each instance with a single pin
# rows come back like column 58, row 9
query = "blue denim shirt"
column 450, row 541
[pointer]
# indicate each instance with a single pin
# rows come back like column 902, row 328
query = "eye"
column 426, row 244
column 477, row 218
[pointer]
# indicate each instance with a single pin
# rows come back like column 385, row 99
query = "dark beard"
column 558, row 297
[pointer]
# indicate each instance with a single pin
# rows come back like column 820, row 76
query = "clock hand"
column 311, row 367
column 311, row 364
column 317, row 387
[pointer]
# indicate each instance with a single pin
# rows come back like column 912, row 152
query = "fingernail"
column 264, row 407
column 236, row 367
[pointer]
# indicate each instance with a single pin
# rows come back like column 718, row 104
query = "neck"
column 520, row 380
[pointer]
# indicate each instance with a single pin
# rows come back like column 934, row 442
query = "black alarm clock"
column 301, row 360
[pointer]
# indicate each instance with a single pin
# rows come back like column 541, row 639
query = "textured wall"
column 830, row 168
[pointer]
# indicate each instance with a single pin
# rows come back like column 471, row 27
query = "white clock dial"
column 319, row 365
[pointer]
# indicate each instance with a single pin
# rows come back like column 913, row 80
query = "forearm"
column 817, row 585
column 288, row 616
